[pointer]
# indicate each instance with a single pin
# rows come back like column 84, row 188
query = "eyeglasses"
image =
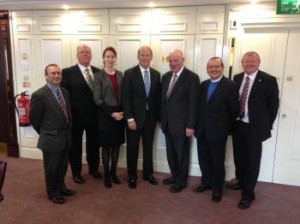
column 214, row 67
column 84, row 52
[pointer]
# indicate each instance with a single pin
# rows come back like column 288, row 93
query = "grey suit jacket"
column 104, row 95
column 48, row 120
column 180, row 110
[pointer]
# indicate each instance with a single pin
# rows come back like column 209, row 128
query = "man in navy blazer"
column 52, row 120
column 219, row 107
column 179, row 107
column 141, row 103
column 253, row 125
column 84, row 112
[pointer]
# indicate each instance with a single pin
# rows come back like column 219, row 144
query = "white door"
column 287, row 159
column 271, row 47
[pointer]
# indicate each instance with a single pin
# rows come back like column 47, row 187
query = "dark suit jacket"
column 134, row 99
column 82, row 101
column 263, row 103
column 48, row 120
column 180, row 110
column 105, row 100
column 218, row 114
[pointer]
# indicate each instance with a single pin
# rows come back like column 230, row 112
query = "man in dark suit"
column 259, row 101
column 51, row 118
column 219, row 107
column 180, row 101
column 141, row 103
column 78, row 79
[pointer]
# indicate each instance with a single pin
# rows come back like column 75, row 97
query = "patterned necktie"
column 243, row 98
column 89, row 79
column 62, row 104
column 172, row 84
column 146, row 82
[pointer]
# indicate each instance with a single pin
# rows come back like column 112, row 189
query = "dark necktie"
column 62, row 104
column 172, row 84
column 146, row 82
column 243, row 98
column 89, row 79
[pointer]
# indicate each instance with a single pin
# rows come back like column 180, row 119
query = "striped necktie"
column 243, row 98
column 62, row 104
column 89, row 79
column 172, row 84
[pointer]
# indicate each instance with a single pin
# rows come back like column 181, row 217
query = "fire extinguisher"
column 22, row 108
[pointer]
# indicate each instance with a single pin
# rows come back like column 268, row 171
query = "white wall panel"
column 133, row 21
column 179, row 20
column 22, row 22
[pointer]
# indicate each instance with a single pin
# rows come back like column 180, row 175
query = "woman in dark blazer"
column 107, row 94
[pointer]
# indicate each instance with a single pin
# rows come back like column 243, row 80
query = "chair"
column 2, row 176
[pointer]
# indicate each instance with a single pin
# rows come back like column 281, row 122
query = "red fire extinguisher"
column 22, row 108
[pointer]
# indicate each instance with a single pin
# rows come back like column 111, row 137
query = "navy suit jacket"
column 216, row 116
column 263, row 103
column 82, row 101
column 134, row 99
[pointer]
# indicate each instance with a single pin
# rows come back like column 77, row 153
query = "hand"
column 131, row 125
column 117, row 115
column 189, row 132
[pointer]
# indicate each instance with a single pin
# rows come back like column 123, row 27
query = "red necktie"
column 243, row 98
column 62, row 104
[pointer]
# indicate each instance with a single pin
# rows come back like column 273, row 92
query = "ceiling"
column 88, row 4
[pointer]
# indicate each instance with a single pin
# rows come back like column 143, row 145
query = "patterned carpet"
column 25, row 202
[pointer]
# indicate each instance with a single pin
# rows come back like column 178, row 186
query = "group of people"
column 104, row 103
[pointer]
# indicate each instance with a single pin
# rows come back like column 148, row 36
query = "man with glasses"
column 78, row 79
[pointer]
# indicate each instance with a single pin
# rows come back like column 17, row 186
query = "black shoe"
column 234, row 187
column 107, row 181
column 132, row 183
column 151, row 180
column 245, row 202
column 115, row 179
column 57, row 199
column 1, row 197
column 168, row 181
column 216, row 197
column 176, row 188
column 96, row 175
column 202, row 188
column 67, row 192
column 78, row 179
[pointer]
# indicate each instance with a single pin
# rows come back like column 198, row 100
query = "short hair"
column 216, row 58
column 250, row 53
column 109, row 49
column 144, row 47
column 50, row 65
column 83, row 45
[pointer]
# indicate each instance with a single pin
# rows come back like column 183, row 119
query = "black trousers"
column 247, row 151
column 133, row 141
column 178, row 151
column 55, row 168
column 211, row 156
column 92, row 149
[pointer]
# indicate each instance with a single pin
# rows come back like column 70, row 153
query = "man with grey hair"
column 78, row 79
column 179, row 107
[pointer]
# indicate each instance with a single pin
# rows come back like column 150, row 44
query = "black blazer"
column 134, row 99
column 82, row 101
column 216, row 116
column 180, row 110
column 263, row 103
column 48, row 120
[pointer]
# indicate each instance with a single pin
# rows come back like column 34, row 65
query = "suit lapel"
column 179, row 81
column 217, row 90
column 139, row 78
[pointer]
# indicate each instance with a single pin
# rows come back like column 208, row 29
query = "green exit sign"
column 288, row 6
